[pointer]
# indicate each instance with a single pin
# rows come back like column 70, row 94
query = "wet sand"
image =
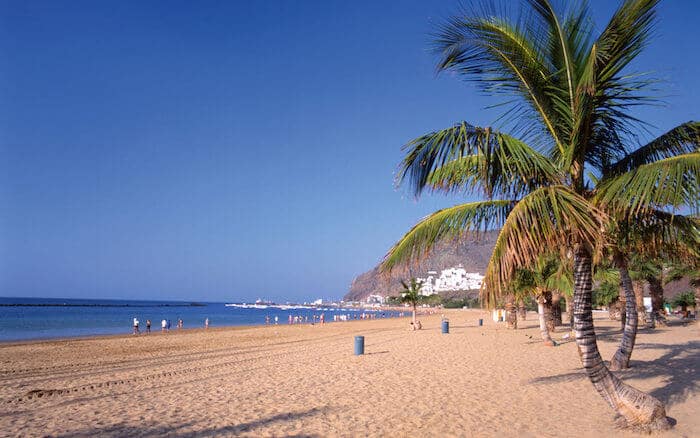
column 304, row 380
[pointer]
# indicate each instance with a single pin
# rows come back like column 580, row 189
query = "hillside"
column 472, row 253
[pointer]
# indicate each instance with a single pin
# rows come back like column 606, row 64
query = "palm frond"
column 624, row 37
column 561, row 37
column 499, row 156
column 544, row 221
column 604, row 123
column 450, row 222
column 507, row 168
column 658, row 232
column 682, row 139
column 502, row 56
column 671, row 182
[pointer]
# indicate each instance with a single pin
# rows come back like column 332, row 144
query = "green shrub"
column 605, row 293
column 684, row 299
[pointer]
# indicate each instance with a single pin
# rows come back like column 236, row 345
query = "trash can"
column 359, row 345
column 445, row 326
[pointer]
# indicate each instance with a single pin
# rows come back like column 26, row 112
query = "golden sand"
column 305, row 380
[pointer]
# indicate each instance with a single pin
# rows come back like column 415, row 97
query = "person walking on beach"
column 206, row 323
column 179, row 324
column 168, row 325
column 136, row 326
column 148, row 326
column 163, row 325
column 267, row 319
column 276, row 319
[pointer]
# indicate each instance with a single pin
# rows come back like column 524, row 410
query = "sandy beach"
column 305, row 381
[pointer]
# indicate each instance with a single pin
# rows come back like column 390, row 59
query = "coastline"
column 43, row 321
column 156, row 331
column 305, row 380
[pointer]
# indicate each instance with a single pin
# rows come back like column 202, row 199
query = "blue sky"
column 232, row 150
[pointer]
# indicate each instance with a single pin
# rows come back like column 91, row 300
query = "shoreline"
column 49, row 324
column 175, row 331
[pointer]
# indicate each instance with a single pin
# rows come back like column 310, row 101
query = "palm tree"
column 571, row 161
column 635, row 255
column 411, row 294
column 522, row 310
column 556, row 308
column 542, row 282
column 511, row 312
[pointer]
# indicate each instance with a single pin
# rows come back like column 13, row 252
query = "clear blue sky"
column 232, row 150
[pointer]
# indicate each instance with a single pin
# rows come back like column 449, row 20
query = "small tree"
column 683, row 300
column 689, row 269
column 411, row 294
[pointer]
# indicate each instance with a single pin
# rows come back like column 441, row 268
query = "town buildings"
column 450, row 279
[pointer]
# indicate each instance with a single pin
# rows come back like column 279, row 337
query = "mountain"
column 471, row 252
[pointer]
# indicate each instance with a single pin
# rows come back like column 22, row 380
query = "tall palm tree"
column 571, row 158
column 635, row 254
column 411, row 295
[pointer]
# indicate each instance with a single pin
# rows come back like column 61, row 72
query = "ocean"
column 43, row 318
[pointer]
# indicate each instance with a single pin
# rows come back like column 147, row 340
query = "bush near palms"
column 411, row 295
column 684, row 300
column 687, row 268
column 571, row 165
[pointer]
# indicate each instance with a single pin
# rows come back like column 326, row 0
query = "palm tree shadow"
column 155, row 429
column 680, row 368
column 237, row 429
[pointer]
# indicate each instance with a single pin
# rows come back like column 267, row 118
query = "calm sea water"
column 40, row 318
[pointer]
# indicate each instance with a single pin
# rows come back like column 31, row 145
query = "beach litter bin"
column 445, row 326
column 481, row 322
column 359, row 345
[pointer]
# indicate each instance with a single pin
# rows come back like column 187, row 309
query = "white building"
column 375, row 299
column 450, row 279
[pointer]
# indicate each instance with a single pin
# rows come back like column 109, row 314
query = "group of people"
column 165, row 325
column 304, row 319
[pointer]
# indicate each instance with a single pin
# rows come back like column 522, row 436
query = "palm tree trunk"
column 570, row 310
column 621, row 359
column 622, row 304
column 414, row 316
column 548, row 313
column 656, row 290
column 556, row 308
column 638, row 287
column 544, row 331
column 511, row 315
column 522, row 311
column 636, row 409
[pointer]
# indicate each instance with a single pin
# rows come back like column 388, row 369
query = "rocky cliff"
column 469, row 251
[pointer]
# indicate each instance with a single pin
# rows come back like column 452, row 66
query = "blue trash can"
column 359, row 345
column 481, row 322
column 445, row 326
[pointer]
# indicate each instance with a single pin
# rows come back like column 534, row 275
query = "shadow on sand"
column 679, row 367
column 122, row 430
